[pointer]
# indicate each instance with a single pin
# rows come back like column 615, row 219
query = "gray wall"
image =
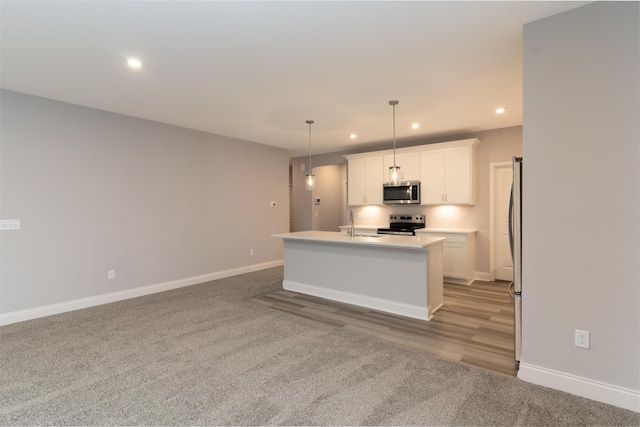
column 328, row 214
column 497, row 145
column 301, row 200
column 97, row 191
column 581, row 208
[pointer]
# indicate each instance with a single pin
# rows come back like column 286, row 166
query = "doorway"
column 500, row 261
column 327, row 198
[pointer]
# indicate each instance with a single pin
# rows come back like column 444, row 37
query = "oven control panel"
column 406, row 218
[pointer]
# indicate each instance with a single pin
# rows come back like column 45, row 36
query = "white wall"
column 97, row 191
column 581, row 208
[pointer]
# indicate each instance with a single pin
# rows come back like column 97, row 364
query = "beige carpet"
column 204, row 355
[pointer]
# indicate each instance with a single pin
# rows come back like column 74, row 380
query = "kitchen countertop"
column 380, row 240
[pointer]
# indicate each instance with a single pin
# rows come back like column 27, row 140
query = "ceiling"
column 258, row 70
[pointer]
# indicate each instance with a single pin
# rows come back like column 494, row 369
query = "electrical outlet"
column 582, row 338
column 251, row 252
column 111, row 274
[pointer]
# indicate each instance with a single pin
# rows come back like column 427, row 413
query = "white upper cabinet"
column 364, row 180
column 458, row 175
column 447, row 175
column 432, row 177
column 446, row 172
column 409, row 166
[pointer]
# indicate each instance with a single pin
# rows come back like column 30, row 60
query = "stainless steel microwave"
column 405, row 192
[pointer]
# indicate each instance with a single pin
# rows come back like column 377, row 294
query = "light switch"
column 10, row 224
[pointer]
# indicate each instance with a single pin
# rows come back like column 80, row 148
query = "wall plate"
column 10, row 224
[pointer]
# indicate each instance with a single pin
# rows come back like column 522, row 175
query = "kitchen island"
column 396, row 274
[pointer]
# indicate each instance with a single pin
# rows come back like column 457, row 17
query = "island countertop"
column 380, row 240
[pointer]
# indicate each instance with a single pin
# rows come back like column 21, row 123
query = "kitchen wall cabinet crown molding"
column 415, row 148
column 446, row 171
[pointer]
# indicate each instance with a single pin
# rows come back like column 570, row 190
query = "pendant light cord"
column 393, row 104
column 309, row 122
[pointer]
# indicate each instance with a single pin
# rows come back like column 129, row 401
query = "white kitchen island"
column 396, row 274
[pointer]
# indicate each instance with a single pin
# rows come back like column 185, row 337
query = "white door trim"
column 493, row 167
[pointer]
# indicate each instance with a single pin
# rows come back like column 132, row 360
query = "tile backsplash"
column 447, row 216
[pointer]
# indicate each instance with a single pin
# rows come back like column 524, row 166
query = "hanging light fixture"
column 311, row 178
column 394, row 171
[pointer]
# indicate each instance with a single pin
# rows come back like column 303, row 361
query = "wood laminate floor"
column 474, row 326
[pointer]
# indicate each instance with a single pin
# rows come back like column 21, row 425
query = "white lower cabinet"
column 458, row 254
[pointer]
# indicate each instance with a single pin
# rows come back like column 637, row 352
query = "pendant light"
column 394, row 171
column 311, row 178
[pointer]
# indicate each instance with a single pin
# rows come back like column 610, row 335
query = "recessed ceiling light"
column 500, row 110
column 415, row 126
column 352, row 136
column 134, row 63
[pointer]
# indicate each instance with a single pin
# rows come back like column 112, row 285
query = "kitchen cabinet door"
column 458, row 175
column 454, row 260
column 356, row 182
column 409, row 166
column 364, row 180
column 432, row 177
column 374, row 180
column 458, row 254
column 447, row 176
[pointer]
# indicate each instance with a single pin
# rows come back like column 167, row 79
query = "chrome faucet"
column 350, row 231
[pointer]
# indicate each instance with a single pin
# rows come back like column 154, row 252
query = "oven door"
column 396, row 232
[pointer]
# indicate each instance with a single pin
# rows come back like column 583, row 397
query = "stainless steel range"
column 403, row 225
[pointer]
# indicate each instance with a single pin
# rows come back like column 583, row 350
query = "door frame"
column 493, row 167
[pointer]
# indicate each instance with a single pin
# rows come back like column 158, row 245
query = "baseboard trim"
column 481, row 275
column 408, row 310
column 462, row 282
column 580, row 386
column 63, row 307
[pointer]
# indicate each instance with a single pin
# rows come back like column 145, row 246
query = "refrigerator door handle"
column 510, row 228
column 516, row 223
column 511, row 290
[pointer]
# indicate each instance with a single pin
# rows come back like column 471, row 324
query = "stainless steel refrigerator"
column 515, row 240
